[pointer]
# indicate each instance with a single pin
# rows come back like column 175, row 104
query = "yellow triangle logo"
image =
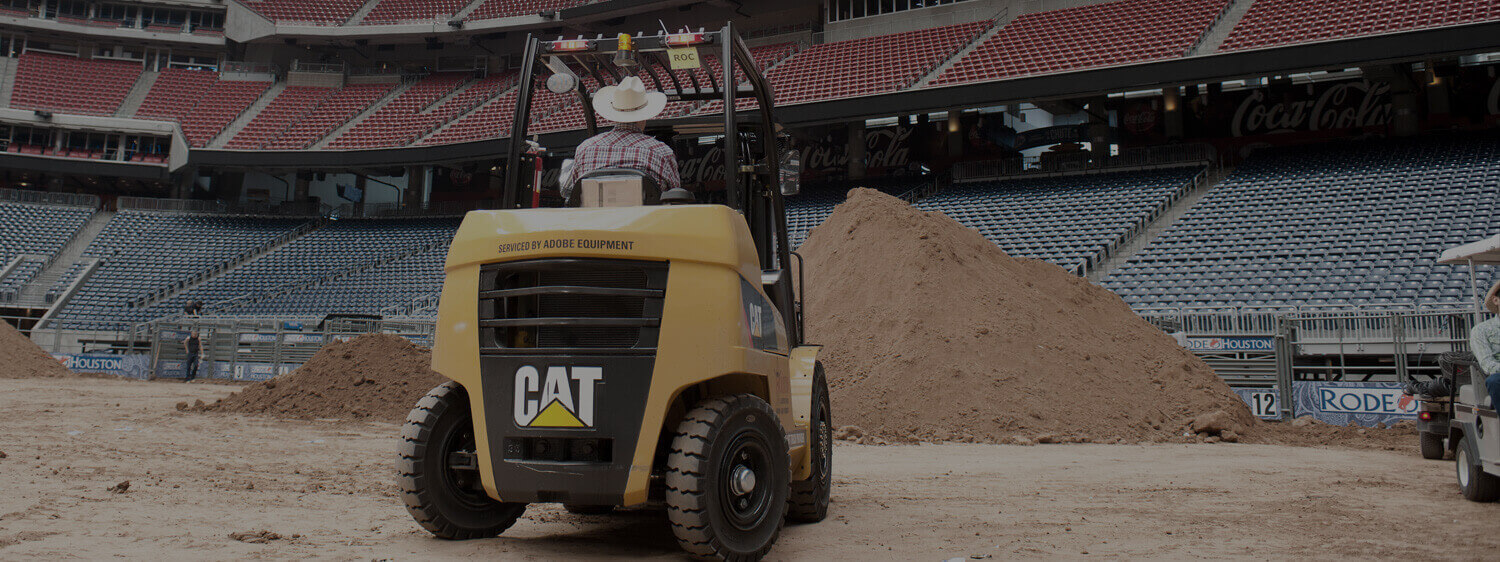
column 556, row 415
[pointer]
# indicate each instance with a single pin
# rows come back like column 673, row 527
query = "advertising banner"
column 1231, row 344
column 129, row 366
column 1353, row 403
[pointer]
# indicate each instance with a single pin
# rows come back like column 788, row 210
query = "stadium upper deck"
column 277, row 103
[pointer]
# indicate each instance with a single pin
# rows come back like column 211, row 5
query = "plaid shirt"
column 625, row 146
column 1484, row 341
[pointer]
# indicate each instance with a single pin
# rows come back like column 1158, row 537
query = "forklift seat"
column 615, row 187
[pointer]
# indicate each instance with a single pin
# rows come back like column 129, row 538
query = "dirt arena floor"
column 326, row 488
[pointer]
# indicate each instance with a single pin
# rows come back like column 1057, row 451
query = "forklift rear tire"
column 1477, row 485
column 809, row 498
column 1432, row 446
column 727, row 479
column 445, row 500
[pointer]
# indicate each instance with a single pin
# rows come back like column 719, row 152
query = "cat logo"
column 563, row 398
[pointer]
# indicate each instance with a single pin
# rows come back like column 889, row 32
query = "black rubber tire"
column 808, row 501
column 1476, row 484
column 741, row 428
column 1432, row 445
column 589, row 509
column 439, row 425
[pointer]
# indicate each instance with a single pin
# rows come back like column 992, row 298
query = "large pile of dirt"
column 22, row 359
column 934, row 333
column 375, row 376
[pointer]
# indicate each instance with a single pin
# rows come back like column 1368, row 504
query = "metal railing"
column 322, row 68
column 47, row 198
column 1053, row 164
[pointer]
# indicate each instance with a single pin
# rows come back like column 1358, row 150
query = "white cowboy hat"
column 629, row 102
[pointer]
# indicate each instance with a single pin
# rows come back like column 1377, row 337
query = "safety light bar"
column 686, row 39
column 571, row 45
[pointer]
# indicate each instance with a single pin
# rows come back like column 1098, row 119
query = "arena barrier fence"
column 1276, row 349
column 259, row 348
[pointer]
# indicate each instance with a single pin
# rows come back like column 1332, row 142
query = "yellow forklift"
column 632, row 347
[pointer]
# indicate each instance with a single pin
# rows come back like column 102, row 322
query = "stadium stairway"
column 464, row 12
column 997, row 23
column 137, row 94
column 261, row 252
column 358, row 118
column 463, row 115
column 239, row 305
column 238, row 124
column 1163, row 222
column 1216, row 34
column 7, row 79
column 359, row 15
column 34, row 294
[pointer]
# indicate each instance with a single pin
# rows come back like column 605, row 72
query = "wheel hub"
column 1462, row 460
column 742, row 481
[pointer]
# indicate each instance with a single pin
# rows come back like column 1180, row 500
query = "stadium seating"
column 174, row 92
column 1068, row 220
column 493, row 119
column 1103, row 34
column 72, row 85
column 1281, row 22
column 292, row 104
column 316, row 12
column 817, row 200
column 507, row 8
column 225, row 101
column 366, row 291
column 339, row 248
column 1342, row 224
column 868, row 66
column 143, row 251
column 397, row 11
column 36, row 231
column 335, row 110
column 412, row 114
column 198, row 100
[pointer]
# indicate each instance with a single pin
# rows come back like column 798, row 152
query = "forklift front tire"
column 727, row 479
column 445, row 499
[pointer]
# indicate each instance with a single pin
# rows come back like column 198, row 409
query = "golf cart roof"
column 1483, row 252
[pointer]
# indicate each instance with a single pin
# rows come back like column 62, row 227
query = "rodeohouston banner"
column 130, row 366
column 1356, row 403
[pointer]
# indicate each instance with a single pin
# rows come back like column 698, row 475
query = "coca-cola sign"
column 1345, row 105
column 886, row 147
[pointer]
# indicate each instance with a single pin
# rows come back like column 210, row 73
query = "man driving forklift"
column 626, row 146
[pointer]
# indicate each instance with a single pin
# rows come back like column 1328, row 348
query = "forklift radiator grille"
column 571, row 306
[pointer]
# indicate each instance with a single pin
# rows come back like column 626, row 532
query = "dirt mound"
column 21, row 359
column 934, row 333
column 377, row 377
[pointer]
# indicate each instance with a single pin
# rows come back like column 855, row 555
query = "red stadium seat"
column 73, row 85
column 1281, row 22
column 1104, row 34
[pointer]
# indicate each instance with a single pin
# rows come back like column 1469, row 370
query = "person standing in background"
column 192, row 344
